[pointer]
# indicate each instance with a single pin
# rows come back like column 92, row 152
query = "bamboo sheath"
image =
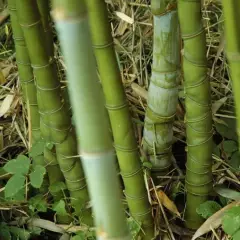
column 198, row 110
column 92, row 124
column 55, row 123
column 116, row 103
column 163, row 88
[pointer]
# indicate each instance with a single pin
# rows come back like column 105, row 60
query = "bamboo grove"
column 85, row 125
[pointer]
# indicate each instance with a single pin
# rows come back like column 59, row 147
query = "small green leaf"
column 4, row 231
column 38, row 203
column 230, row 146
column 228, row 193
column 208, row 208
column 57, row 187
column 14, row 184
column 236, row 235
column 19, row 196
column 228, row 129
column 231, row 221
column 50, row 145
column 147, row 164
column 36, row 177
column 79, row 236
column 234, row 162
column 20, row 233
column 18, row 166
column 134, row 227
column 59, row 208
column 37, row 149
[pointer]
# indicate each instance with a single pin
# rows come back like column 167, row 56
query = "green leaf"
column 57, row 187
column 208, row 208
column 36, row 177
column 38, row 203
column 147, row 164
column 234, row 162
column 4, row 231
column 50, row 145
column 18, row 166
column 228, row 129
column 37, row 149
column 20, row 233
column 231, row 221
column 134, row 227
column 59, row 208
column 19, row 196
column 14, row 184
column 236, row 235
column 79, row 236
column 228, row 193
column 230, row 146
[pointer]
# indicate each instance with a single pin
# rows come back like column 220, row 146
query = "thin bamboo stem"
column 116, row 103
column 198, row 110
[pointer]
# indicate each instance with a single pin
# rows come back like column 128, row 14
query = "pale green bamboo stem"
column 198, row 110
column 91, row 119
column 163, row 88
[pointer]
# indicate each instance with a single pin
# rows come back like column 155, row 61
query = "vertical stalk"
column 163, row 88
column 198, row 109
column 55, row 122
column 50, row 155
column 231, row 10
column 44, row 9
column 91, row 119
column 116, row 104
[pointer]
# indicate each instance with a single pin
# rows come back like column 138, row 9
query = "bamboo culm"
column 198, row 110
column 55, row 123
column 231, row 10
column 163, row 88
column 116, row 103
column 92, row 124
column 50, row 154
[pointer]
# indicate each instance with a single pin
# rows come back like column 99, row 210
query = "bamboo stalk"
column 231, row 10
column 120, row 118
column 50, row 154
column 198, row 110
column 44, row 9
column 91, row 119
column 55, row 122
column 163, row 88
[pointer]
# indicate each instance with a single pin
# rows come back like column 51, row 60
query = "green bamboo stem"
column 50, row 155
column 116, row 104
column 25, row 73
column 231, row 10
column 27, row 81
column 91, row 119
column 198, row 110
column 55, row 122
column 28, row 87
column 163, row 88
column 44, row 9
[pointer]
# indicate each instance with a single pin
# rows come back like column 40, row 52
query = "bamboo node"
column 30, row 25
column 116, row 107
column 128, row 175
column 103, row 45
column 125, row 149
